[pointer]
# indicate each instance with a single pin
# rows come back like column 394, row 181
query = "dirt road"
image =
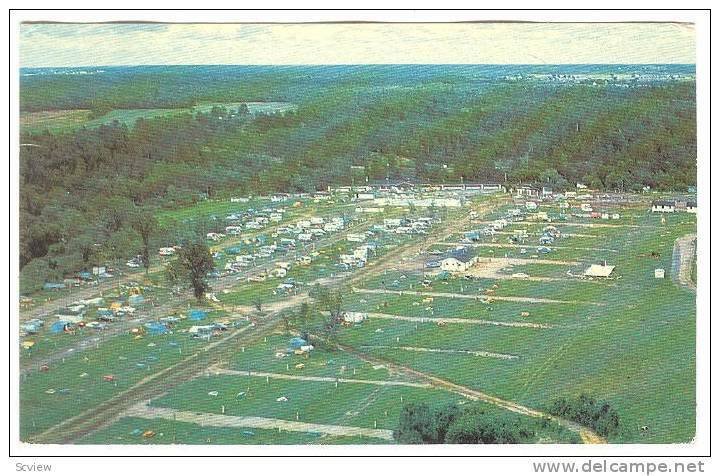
column 682, row 261
column 458, row 320
column 312, row 378
column 510, row 245
column 475, row 353
column 229, row 421
column 472, row 296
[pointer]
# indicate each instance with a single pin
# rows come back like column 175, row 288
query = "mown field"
column 629, row 340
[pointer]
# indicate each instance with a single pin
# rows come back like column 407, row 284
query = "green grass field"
column 635, row 349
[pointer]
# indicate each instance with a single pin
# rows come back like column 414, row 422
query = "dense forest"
column 81, row 186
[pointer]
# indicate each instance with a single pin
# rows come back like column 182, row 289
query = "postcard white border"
column 700, row 446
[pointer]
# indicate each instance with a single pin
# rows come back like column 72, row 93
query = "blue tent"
column 197, row 315
column 136, row 299
column 472, row 235
column 58, row 327
column 86, row 275
column 297, row 342
column 49, row 286
column 156, row 328
column 234, row 250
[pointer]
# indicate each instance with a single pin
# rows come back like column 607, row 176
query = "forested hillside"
column 82, row 185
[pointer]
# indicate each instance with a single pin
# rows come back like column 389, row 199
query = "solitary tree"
column 331, row 302
column 145, row 224
column 193, row 263
column 303, row 319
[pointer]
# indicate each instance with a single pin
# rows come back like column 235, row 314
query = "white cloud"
column 347, row 43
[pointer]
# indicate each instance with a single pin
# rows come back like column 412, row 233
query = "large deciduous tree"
column 193, row 263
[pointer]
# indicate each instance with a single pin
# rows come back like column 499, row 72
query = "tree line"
column 81, row 188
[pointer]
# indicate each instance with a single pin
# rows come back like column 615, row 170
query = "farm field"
column 70, row 119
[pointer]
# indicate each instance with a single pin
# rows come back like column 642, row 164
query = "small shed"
column 660, row 273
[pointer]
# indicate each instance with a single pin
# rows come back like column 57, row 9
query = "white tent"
column 599, row 270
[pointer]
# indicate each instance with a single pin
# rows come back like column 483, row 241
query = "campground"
column 522, row 325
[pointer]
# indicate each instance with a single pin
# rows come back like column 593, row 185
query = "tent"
column 50, row 286
column 296, row 343
column 599, row 270
column 156, row 328
column 58, row 327
column 197, row 315
column 136, row 299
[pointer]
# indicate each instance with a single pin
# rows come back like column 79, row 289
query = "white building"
column 663, row 206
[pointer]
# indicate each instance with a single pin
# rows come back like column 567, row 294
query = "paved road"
column 682, row 261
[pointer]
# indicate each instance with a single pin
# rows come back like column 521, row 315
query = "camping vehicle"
column 531, row 206
column 305, row 237
column 546, row 240
column 515, row 212
column 543, row 249
column 215, row 236
column 355, row 237
column 135, row 262
column 586, row 207
column 199, row 332
column 285, row 288
column 354, row 317
column 33, row 326
column 499, row 225
column 167, row 251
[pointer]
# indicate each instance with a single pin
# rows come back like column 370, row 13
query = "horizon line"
column 355, row 64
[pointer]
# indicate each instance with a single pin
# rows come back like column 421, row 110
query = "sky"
column 64, row 45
